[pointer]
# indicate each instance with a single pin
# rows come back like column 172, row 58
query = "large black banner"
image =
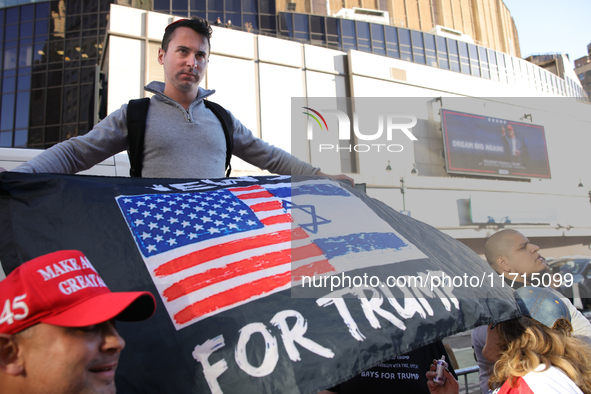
column 264, row 285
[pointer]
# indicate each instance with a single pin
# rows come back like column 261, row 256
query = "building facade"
column 583, row 70
column 487, row 22
column 50, row 51
column 52, row 88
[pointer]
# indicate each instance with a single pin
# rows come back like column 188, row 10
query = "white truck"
column 117, row 165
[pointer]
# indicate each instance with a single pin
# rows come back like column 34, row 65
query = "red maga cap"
column 64, row 289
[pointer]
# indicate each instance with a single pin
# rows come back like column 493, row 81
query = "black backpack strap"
column 226, row 120
column 137, row 111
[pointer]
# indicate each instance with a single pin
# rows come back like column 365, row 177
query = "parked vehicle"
column 580, row 268
column 117, row 165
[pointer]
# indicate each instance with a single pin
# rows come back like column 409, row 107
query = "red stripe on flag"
column 216, row 275
column 230, row 297
column 245, row 189
column 266, row 206
column 276, row 219
column 298, row 233
column 263, row 194
column 213, row 252
column 316, row 268
column 305, row 252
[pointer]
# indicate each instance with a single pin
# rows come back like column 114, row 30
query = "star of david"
column 310, row 210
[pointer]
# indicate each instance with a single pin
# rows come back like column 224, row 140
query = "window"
column 89, row 6
column 442, row 52
column 418, row 47
column 494, row 69
column 35, row 137
column 392, row 42
column 73, row 7
column 73, row 23
column 6, row 138
column 454, row 58
column 42, row 10
column 52, row 136
column 70, row 104
column 212, row 5
column 160, row 5
column 41, row 27
column 508, row 68
column 405, row 48
column 268, row 23
column 12, row 15
column 9, row 58
column 333, row 36
column 301, row 27
column 85, row 110
column 286, row 24
column 363, row 38
column 317, row 29
column 11, row 32
column 248, row 6
column 251, row 22
column 22, row 110
column 484, row 62
column 9, row 85
column 26, row 29
column 24, row 82
column 53, row 105
column 37, row 117
column 232, row 5
column 20, row 138
column 90, row 22
column 464, row 61
column 268, row 7
column 235, row 18
column 7, row 114
column 348, row 37
column 474, row 60
column 377, row 39
column 430, row 49
column 27, row 12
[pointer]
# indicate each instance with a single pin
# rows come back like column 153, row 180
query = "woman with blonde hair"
column 535, row 353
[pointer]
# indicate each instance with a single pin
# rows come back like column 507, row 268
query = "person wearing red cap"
column 57, row 326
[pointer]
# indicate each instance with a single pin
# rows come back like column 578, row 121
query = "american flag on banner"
column 211, row 251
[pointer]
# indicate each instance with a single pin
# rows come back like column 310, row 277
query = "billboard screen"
column 483, row 145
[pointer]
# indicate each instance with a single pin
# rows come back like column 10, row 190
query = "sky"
column 551, row 26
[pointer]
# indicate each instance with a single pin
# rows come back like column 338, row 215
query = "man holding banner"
column 183, row 137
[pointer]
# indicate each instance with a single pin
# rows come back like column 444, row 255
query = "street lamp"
column 403, row 191
column 414, row 171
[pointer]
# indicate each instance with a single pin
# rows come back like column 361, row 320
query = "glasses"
column 175, row 22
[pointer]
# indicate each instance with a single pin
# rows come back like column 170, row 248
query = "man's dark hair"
column 199, row 25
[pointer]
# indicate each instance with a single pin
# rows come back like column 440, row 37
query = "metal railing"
column 465, row 372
